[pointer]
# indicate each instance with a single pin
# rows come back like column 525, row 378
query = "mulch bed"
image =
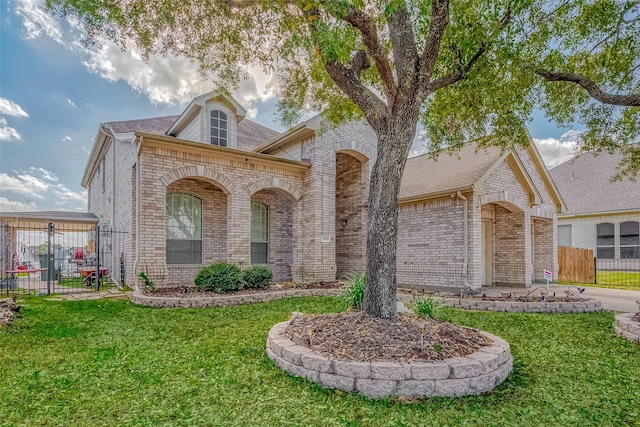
column 636, row 317
column 357, row 337
column 512, row 298
column 193, row 292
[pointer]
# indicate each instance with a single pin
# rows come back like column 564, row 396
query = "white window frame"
column 259, row 230
column 218, row 128
column 176, row 236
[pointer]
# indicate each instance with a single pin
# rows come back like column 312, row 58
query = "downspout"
column 465, row 263
column 137, row 242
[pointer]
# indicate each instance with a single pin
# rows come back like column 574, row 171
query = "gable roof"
column 425, row 176
column 467, row 169
column 155, row 125
column 585, row 183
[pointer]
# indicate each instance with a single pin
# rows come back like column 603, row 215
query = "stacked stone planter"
column 625, row 327
column 223, row 300
column 476, row 373
column 526, row 307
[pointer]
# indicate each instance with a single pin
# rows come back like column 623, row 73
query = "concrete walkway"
column 111, row 293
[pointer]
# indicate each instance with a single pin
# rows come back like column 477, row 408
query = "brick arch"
column 292, row 190
column 504, row 199
column 356, row 149
column 202, row 172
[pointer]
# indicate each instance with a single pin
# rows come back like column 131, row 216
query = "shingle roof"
column 250, row 134
column 424, row 175
column 585, row 184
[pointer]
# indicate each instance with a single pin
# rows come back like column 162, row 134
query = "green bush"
column 219, row 277
column 257, row 277
column 426, row 307
column 354, row 291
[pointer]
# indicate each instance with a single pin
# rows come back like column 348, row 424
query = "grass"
column 108, row 363
column 625, row 280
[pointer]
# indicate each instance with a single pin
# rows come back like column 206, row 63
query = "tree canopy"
column 576, row 60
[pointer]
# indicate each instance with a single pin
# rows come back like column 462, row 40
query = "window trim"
column 264, row 206
column 201, row 239
column 612, row 235
column 637, row 245
column 219, row 128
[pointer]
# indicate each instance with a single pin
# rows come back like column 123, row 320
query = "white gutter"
column 137, row 219
column 465, row 263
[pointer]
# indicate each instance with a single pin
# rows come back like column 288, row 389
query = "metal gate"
column 39, row 258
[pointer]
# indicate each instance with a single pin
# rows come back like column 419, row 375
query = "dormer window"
column 219, row 128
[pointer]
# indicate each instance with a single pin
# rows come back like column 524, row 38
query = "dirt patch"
column 8, row 309
column 193, row 292
column 357, row 337
column 636, row 317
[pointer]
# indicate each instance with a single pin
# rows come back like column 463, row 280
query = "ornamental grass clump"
column 219, row 277
column 257, row 277
column 426, row 307
column 354, row 291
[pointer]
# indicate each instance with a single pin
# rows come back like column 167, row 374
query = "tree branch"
column 359, row 63
column 345, row 78
column 403, row 45
column 439, row 22
column 631, row 100
column 364, row 23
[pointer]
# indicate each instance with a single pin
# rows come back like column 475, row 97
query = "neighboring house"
column 602, row 214
column 211, row 185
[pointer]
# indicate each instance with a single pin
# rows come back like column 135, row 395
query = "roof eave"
column 100, row 141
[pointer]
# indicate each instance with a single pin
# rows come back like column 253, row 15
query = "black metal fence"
column 618, row 272
column 63, row 258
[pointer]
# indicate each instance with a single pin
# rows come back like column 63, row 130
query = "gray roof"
column 69, row 221
column 250, row 134
column 424, row 175
column 585, row 184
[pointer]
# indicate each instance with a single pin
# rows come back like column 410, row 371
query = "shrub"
column 148, row 284
column 257, row 277
column 426, row 307
column 354, row 291
column 219, row 277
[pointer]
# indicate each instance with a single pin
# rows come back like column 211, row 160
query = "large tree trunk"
column 382, row 230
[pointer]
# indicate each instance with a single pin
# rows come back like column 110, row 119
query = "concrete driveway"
column 612, row 299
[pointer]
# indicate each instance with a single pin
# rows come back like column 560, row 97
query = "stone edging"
column 474, row 374
column 526, row 307
column 627, row 328
column 139, row 298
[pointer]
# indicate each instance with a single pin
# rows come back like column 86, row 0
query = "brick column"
column 239, row 228
column 528, row 252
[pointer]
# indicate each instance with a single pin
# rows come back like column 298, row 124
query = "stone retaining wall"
column 627, row 328
column 139, row 298
column 474, row 374
column 527, row 307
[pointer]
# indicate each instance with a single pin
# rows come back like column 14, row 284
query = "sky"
column 54, row 93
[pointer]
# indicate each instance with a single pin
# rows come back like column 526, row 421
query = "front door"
column 487, row 253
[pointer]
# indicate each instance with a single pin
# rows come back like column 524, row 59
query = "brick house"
column 602, row 215
column 211, row 185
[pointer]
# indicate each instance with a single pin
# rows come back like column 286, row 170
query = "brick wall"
column 350, row 216
column 280, row 249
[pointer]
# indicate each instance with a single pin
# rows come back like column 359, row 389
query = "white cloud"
column 23, row 184
column 7, row 205
column 558, row 150
column 165, row 79
column 71, row 103
column 10, row 108
column 8, row 133
column 66, row 138
column 46, row 174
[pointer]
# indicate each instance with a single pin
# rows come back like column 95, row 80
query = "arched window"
column 259, row 233
column 219, row 128
column 605, row 240
column 630, row 239
column 184, row 229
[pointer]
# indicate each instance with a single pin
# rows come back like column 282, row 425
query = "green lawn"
column 111, row 363
column 618, row 280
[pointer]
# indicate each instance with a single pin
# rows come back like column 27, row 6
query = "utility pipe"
column 465, row 263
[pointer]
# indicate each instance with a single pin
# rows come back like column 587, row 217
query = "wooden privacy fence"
column 576, row 265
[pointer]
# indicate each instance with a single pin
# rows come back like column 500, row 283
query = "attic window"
column 219, row 128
